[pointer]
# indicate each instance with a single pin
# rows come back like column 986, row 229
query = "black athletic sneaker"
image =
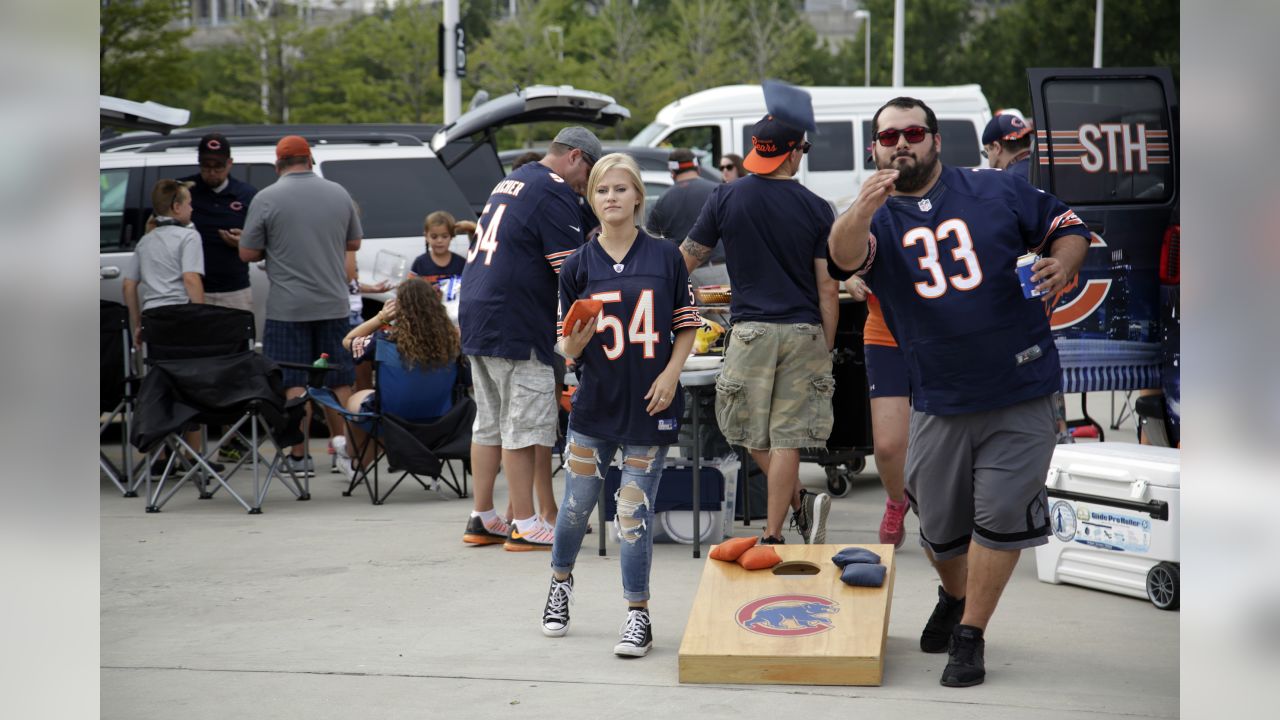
column 946, row 616
column 555, row 616
column 480, row 533
column 637, row 634
column 965, row 666
column 766, row 540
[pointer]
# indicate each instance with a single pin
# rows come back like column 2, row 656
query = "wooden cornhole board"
column 760, row 628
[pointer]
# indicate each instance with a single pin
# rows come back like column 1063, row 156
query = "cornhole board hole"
column 763, row 627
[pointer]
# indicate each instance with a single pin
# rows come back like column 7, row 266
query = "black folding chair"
column 201, row 369
column 118, row 387
column 423, row 450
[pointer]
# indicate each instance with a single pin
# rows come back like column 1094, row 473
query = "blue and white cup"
column 1025, row 263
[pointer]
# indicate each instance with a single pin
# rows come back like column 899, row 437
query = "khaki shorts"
column 515, row 402
column 776, row 387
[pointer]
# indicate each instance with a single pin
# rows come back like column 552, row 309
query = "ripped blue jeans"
column 587, row 463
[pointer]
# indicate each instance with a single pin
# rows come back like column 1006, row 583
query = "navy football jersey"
column 646, row 300
column 943, row 267
column 529, row 225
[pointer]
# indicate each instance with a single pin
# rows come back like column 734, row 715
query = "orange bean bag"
column 759, row 558
column 732, row 549
column 582, row 310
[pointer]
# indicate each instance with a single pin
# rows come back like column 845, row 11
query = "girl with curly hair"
column 416, row 321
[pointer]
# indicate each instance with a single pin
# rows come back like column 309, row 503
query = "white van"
column 719, row 121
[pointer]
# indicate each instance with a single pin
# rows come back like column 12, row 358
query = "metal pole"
column 865, row 16
column 1097, row 36
column 452, row 84
column 899, row 40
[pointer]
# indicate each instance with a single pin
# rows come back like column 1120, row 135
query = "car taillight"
column 1170, row 265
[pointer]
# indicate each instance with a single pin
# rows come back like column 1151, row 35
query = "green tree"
column 140, row 51
column 935, row 36
column 1059, row 33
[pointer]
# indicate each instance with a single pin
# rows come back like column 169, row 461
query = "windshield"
column 646, row 136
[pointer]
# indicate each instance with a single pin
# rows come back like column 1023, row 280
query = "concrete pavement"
column 336, row 608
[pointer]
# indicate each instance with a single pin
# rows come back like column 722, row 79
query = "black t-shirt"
column 211, row 211
column 773, row 231
column 675, row 212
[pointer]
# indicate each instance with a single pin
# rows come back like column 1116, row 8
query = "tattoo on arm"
column 695, row 250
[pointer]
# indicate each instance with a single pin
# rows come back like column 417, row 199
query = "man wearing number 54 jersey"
column 938, row 246
column 507, row 315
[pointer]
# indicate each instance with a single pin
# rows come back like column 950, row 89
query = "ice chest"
column 1115, row 515
column 673, row 508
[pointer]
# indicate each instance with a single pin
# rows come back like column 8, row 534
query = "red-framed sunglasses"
column 889, row 138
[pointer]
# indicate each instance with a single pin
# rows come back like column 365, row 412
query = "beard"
column 914, row 176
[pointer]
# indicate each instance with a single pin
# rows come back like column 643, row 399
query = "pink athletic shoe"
column 891, row 529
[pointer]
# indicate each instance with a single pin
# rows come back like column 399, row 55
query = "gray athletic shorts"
column 515, row 402
column 981, row 475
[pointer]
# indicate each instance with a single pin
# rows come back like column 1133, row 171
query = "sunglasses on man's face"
column 804, row 148
column 889, row 138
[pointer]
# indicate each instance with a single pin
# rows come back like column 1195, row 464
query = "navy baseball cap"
column 771, row 140
column 1005, row 127
column 214, row 144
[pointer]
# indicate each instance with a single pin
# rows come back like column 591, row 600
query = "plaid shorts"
column 302, row 342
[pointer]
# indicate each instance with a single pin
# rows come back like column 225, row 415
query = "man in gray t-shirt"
column 304, row 225
column 675, row 212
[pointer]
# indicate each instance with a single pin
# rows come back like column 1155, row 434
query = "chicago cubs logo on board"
column 787, row 615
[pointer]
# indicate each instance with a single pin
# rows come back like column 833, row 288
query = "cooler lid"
column 1121, row 462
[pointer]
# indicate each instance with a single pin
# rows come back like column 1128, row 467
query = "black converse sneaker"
column 965, row 666
column 555, row 616
column 946, row 616
column 637, row 635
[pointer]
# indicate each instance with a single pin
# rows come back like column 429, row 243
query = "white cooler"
column 1114, row 509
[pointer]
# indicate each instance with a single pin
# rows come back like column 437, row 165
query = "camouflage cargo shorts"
column 776, row 387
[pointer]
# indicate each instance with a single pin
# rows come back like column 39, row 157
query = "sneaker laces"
column 497, row 526
column 800, row 519
column 633, row 630
column 542, row 533
column 558, row 600
column 894, row 513
column 964, row 650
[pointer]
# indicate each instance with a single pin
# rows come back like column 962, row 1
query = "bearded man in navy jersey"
column 938, row 246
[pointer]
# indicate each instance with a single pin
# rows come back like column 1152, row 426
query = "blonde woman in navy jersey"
column 628, row 397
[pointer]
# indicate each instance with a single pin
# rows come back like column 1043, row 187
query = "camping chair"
column 117, row 392
column 201, row 369
column 415, row 397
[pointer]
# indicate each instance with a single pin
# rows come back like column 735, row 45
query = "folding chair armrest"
column 315, row 375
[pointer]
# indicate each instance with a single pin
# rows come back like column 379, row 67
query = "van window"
column 705, row 138
column 959, row 144
column 113, row 186
column 1109, row 141
column 832, row 147
column 395, row 195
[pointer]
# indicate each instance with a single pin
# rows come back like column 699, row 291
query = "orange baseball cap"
column 292, row 146
column 771, row 141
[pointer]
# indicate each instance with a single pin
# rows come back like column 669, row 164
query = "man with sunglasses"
column 219, row 205
column 938, row 246
column 774, row 395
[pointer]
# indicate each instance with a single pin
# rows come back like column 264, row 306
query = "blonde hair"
column 439, row 217
column 168, row 193
column 610, row 162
